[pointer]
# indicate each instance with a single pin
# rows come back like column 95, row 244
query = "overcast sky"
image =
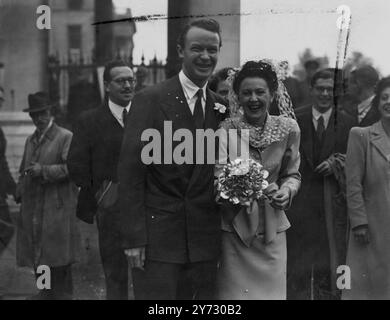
column 293, row 26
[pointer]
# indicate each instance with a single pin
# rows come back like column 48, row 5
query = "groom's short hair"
column 206, row 24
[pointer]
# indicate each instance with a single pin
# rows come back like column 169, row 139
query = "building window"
column 74, row 36
column 75, row 4
column 74, row 41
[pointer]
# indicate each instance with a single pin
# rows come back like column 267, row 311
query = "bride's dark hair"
column 256, row 69
column 381, row 85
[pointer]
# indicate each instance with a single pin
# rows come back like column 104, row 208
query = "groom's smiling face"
column 200, row 54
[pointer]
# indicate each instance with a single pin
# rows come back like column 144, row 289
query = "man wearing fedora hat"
column 46, row 232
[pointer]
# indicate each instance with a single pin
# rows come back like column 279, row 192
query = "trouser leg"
column 198, row 281
column 173, row 281
column 62, row 286
column 113, row 257
column 158, row 281
column 6, row 227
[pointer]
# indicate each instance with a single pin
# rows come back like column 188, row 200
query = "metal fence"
column 67, row 73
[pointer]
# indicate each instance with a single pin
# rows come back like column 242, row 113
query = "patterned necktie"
column 320, row 128
column 124, row 117
column 198, row 111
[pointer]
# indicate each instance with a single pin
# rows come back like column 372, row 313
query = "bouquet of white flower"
column 242, row 182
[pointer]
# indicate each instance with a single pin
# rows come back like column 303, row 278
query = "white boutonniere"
column 220, row 107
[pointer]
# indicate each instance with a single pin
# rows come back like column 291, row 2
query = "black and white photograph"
column 217, row 151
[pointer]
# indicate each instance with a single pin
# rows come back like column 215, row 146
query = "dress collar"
column 275, row 129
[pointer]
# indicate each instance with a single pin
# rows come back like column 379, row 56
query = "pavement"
column 88, row 279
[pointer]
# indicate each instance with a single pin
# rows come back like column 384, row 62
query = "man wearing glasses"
column 316, row 242
column 92, row 164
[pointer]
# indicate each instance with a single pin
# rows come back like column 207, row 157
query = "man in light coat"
column 46, row 230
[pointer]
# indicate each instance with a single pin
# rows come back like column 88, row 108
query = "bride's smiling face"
column 255, row 98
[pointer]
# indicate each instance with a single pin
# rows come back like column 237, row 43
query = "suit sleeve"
column 289, row 176
column 8, row 182
column 79, row 156
column 355, row 172
column 132, row 174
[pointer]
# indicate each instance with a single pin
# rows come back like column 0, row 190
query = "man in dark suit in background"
column 92, row 164
column 7, row 187
column 361, row 91
column 170, row 225
column 316, row 242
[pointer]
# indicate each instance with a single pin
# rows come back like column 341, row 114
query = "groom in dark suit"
column 170, row 225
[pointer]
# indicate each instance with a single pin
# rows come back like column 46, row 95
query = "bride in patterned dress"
column 254, row 254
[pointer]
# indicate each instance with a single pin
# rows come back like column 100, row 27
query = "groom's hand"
column 136, row 257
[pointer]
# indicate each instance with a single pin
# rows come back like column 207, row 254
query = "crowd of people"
column 326, row 149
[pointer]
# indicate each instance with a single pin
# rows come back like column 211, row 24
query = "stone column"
column 104, row 32
column 225, row 12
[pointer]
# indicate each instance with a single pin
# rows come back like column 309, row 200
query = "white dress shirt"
column 190, row 90
column 117, row 111
column 316, row 115
column 363, row 108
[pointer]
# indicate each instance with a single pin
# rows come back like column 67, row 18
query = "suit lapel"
column 107, row 120
column 371, row 117
column 175, row 107
column 210, row 117
column 380, row 140
column 307, row 136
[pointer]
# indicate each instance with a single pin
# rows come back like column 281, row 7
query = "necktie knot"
column 200, row 94
column 321, row 120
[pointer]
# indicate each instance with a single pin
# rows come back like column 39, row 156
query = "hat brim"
column 29, row 110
